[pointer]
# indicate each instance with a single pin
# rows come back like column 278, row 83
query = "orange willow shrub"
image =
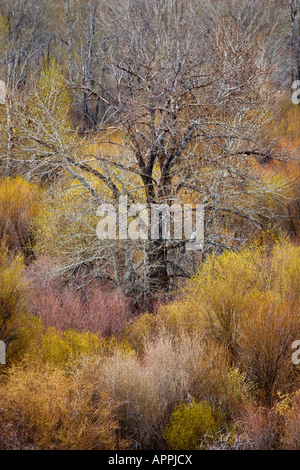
column 259, row 428
column 18, row 209
column 51, row 410
column 291, row 428
column 268, row 328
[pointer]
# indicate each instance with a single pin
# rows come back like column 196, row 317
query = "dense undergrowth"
column 212, row 369
column 129, row 343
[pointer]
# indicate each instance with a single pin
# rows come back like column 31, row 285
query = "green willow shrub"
column 192, row 426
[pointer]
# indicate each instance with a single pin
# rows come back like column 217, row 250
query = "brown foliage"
column 291, row 433
column 268, row 329
column 259, row 427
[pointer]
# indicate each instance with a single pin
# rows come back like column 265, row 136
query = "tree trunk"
column 87, row 79
column 158, row 277
column 295, row 40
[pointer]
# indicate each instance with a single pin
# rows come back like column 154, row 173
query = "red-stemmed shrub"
column 95, row 307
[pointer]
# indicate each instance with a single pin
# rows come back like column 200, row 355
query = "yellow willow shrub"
column 193, row 426
column 52, row 96
column 180, row 318
column 16, row 326
column 285, row 271
column 222, row 385
column 141, row 331
column 234, row 301
column 267, row 330
column 219, row 290
column 217, row 296
column 63, row 348
column 51, row 410
column 18, row 209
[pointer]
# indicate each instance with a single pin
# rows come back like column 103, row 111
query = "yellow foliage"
column 14, row 323
column 285, row 403
column 62, row 348
column 66, row 349
column 54, row 97
column 141, row 331
column 288, row 126
column 58, row 412
column 4, row 29
column 19, row 207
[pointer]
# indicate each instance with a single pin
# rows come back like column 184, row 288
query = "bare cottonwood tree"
column 189, row 117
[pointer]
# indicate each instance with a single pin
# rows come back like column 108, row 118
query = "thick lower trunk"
column 158, row 276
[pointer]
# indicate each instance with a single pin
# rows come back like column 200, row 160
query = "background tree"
column 295, row 39
column 79, row 37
